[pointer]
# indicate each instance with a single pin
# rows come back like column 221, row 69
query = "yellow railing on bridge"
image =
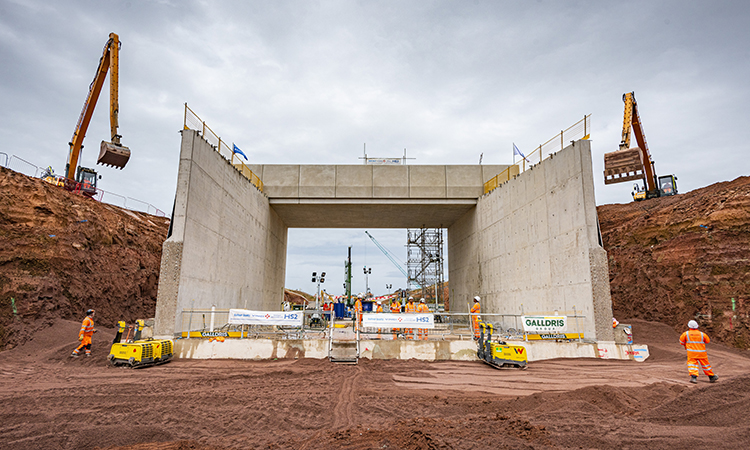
column 193, row 122
column 579, row 130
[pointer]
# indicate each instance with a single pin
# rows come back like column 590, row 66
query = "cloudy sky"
column 311, row 81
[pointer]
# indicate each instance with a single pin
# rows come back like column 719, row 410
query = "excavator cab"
column 667, row 185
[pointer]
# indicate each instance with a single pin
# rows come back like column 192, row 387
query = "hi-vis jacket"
column 695, row 342
column 87, row 327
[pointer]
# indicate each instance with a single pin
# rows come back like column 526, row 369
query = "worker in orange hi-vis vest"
column 84, row 336
column 410, row 308
column 395, row 309
column 476, row 309
column 358, row 311
column 379, row 309
column 695, row 342
column 422, row 308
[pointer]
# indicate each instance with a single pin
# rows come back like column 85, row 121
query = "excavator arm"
column 631, row 113
column 111, row 153
column 627, row 164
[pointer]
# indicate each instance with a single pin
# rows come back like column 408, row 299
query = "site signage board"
column 384, row 161
column 544, row 324
column 247, row 317
column 378, row 320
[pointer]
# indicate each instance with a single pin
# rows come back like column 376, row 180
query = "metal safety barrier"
column 193, row 122
column 317, row 324
column 579, row 130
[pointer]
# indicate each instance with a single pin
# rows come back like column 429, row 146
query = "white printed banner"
column 247, row 317
column 377, row 320
column 544, row 324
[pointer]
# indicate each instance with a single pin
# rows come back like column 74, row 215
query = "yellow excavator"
column 83, row 179
column 628, row 164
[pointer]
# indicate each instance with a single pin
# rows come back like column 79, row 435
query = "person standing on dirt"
column 84, row 336
column 476, row 309
column 695, row 342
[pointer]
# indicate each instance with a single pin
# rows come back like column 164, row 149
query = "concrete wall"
column 532, row 246
column 228, row 247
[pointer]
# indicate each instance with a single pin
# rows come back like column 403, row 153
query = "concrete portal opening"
column 529, row 246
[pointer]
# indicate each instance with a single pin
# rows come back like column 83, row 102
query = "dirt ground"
column 52, row 401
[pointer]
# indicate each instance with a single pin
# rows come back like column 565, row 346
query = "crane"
column 111, row 153
column 387, row 254
column 627, row 164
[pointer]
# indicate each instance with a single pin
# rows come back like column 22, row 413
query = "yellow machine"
column 628, row 164
column 499, row 354
column 128, row 349
column 111, row 153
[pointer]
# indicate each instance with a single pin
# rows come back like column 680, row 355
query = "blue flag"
column 237, row 150
column 516, row 151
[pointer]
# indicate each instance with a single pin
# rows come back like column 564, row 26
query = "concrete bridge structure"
column 530, row 246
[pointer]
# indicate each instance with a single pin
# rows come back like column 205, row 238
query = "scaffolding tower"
column 425, row 264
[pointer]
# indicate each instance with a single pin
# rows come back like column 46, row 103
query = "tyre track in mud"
column 342, row 412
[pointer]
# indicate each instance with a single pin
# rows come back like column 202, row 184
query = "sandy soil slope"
column 676, row 258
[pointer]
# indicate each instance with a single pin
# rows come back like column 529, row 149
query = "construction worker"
column 695, row 342
column 411, row 308
column 379, row 307
column 422, row 308
column 84, row 336
column 395, row 309
column 476, row 309
column 358, row 311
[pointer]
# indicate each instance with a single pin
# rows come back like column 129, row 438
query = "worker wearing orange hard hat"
column 422, row 308
column 695, row 342
column 475, row 310
column 85, row 334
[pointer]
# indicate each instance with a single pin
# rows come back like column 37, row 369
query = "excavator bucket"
column 113, row 155
column 623, row 165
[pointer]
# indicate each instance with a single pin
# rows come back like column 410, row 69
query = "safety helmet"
column 421, row 300
column 411, row 298
column 692, row 324
column 476, row 299
column 91, row 311
column 379, row 302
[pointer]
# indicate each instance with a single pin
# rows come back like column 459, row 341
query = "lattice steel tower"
column 425, row 263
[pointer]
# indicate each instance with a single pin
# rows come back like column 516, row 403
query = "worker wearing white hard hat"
column 475, row 310
column 411, row 308
column 422, row 308
column 695, row 342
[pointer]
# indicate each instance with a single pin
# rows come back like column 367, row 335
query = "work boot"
column 713, row 378
column 693, row 379
column 88, row 354
column 74, row 355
